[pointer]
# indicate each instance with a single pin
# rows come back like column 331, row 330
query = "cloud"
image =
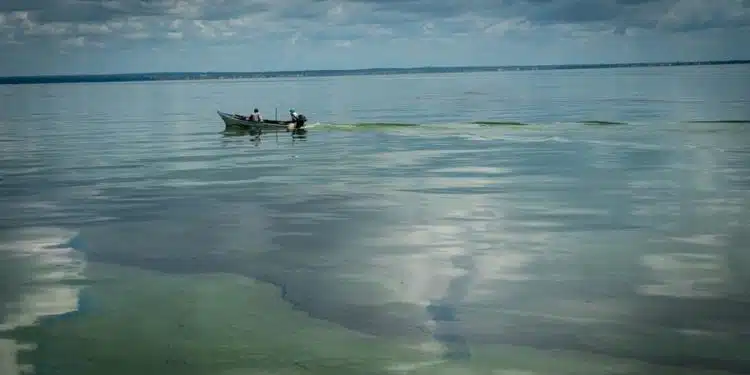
column 106, row 10
column 689, row 15
column 378, row 31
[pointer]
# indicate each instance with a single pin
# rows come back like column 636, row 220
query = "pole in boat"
column 276, row 117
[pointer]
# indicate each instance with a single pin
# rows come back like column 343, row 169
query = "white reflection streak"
column 50, row 265
column 424, row 274
column 453, row 244
column 685, row 273
column 8, row 352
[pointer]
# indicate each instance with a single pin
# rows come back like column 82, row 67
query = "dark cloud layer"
column 616, row 13
column 620, row 13
column 107, row 10
column 277, row 24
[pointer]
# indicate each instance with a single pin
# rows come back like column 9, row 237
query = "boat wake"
column 502, row 123
column 373, row 126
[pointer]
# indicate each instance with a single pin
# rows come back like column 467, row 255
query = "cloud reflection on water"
column 453, row 251
column 553, row 236
column 43, row 274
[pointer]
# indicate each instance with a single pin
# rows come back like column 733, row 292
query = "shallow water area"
column 578, row 230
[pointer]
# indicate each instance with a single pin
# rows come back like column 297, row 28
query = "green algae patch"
column 739, row 122
column 368, row 126
column 384, row 124
column 519, row 360
column 499, row 123
column 602, row 123
column 142, row 323
column 501, row 359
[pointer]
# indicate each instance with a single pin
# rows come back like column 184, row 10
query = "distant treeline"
column 133, row 77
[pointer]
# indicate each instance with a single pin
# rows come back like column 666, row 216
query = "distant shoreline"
column 179, row 76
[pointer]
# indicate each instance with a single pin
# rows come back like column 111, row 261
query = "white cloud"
column 376, row 31
column 691, row 14
column 343, row 43
column 87, row 28
column 78, row 41
column 505, row 26
column 137, row 35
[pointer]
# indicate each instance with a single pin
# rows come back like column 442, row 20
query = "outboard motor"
column 301, row 120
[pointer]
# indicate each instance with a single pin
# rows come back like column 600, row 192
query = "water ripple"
column 559, row 235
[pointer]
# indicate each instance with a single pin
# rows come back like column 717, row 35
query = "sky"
column 130, row 36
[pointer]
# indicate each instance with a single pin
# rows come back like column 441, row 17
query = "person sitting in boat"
column 297, row 119
column 255, row 117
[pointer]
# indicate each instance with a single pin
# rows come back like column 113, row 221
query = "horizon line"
column 20, row 79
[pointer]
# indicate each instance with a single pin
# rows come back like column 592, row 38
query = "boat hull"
column 232, row 121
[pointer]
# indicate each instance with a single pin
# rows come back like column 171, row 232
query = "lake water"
column 596, row 223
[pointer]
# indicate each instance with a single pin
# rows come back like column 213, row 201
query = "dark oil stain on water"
column 529, row 228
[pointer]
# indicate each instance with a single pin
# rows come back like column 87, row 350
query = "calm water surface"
column 606, row 233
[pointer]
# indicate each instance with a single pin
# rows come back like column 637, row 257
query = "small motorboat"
column 234, row 121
